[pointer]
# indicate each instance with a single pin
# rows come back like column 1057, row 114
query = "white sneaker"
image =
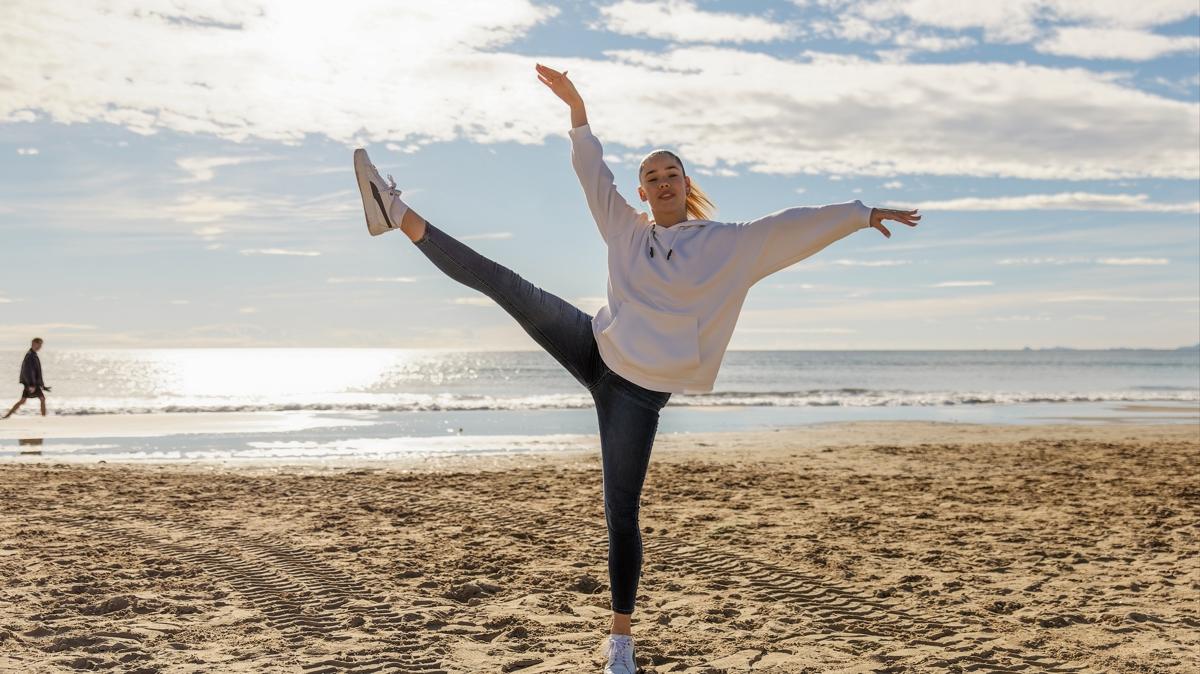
column 381, row 201
column 618, row 649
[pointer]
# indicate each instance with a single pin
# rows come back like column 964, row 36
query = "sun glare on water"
column 276, row 373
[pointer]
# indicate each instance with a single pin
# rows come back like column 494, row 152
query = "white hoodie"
column 668, row 321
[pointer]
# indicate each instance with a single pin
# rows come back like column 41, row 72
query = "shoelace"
column 395, row 191
column 618, row 649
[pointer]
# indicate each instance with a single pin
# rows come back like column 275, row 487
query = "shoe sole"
column 377, row 220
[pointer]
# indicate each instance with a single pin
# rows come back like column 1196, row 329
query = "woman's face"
column 663, row 184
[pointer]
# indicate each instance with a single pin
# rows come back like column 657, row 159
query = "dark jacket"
column 31, row 370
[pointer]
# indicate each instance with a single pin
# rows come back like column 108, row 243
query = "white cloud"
column 44, row 330
column 1133, row 261
column 979, row 119
column 589, row 304
column 180, row 302
column 953, row 306
column 272, row 69
column 5, row 300
column 807, row 331
column 1070, row 201
column 1142, row 232
column 789, row 286
column 933, row 43
column 406, row 149
column 115, row 207
column 1012, row 20
column 1119, row 298
column 683, row 21
column 486, row 235
column 869, row 263
column 280, row 251
column 962, row 284
column 474, row 301
column 209, row 232
column 1181, row 85
column 1056, row 260
column 203, row 169
column 371, row 279
column 27, row 151
column 206, row 208
column 1116, row 43
column 893, row 185
column 857, row 28
column 721, row 172
column 1017, row 317
column 248, row 310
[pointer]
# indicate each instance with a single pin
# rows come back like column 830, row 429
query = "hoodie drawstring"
column 654, row 235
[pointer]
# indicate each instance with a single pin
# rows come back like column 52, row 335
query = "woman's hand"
column 878, row 215
column 560, row 84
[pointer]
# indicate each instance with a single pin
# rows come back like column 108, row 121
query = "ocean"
column 397, row 380
column 491, row 400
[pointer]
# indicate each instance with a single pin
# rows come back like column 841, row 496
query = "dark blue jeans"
column 627, row 413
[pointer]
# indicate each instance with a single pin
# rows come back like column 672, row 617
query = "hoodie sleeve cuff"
column 866, row 213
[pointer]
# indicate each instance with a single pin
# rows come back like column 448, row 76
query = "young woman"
column 677, row 281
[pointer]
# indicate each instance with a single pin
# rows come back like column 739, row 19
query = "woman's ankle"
column 621, row 624
column 413, row 226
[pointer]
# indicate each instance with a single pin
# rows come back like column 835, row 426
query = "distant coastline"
column 1193, row 347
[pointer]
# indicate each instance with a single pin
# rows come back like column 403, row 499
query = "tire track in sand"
column 896, row 637
column 300, row 597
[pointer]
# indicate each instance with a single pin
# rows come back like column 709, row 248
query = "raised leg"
column 556, row 325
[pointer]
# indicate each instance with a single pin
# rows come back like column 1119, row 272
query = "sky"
column 177, row 173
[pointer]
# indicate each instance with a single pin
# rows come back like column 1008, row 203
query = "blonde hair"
column 699, row 206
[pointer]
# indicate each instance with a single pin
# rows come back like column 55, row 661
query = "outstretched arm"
column 786, row 237
column 613, row 215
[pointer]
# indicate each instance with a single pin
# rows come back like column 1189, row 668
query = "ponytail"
column 699, row 206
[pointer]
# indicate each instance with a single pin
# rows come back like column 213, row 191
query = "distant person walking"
column 32, row 385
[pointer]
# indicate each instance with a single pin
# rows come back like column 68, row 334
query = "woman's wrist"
column 578, row 115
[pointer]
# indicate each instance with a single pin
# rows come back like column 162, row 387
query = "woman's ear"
column 687, row 183
column 642, row 193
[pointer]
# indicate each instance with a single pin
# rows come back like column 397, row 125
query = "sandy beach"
column 860, row 547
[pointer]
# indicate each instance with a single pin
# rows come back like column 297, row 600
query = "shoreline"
column 429, row 423
column 464, row 452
